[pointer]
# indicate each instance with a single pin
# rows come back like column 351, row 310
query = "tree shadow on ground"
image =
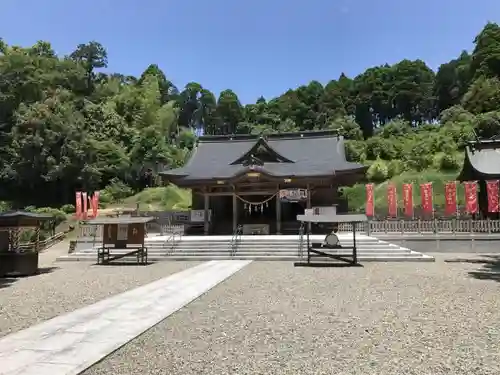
column 5, row 282
column 490, row 267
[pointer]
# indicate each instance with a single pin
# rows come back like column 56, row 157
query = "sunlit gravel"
column 272, row 318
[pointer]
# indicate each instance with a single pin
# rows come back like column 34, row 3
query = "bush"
column 355, row 151
column 395, row 167
column 447, row 162
column 378, row 171
column 116, row 191
column 58, row 215
column 68, row 208
column 5, row 206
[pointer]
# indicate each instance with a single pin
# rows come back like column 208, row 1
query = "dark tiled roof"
column 310, row 153
column 24, row 214
column 482, row 160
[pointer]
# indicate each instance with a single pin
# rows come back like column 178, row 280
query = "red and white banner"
column 370, row 205
column 426, row 197
column 492, row 190
column 95, row 203
column 450, row 195
column 408, row 199
column 392, row 200
column 471, row 204
column 78, row 205
column 85, row 206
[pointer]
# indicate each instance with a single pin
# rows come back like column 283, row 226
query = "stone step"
column 256, row 251
column 267, row 252
column 203, row 252
column 249, row 244
column 382, row 257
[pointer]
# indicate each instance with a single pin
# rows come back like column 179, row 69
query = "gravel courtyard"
column 67, row 286
column 272, row 318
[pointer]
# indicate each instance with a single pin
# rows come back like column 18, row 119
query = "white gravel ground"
column 69, row 286
column 272, row 318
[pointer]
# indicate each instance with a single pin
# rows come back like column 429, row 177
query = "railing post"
column 419, row 226
column 488, row 224
column 434, row 223
column 369, row 227
column 471, row 226
column 402, row 223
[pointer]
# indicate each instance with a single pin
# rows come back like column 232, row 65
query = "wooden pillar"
column 37, row 243
column 308, row 206
column 206, row 207
column 235, row 212
column 278, row 212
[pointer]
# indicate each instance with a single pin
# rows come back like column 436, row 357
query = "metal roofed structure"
column 482, row 161
column 120, row 220
column 481, row 164
column 224, row 171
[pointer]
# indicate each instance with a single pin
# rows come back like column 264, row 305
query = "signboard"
column 198, row 216
column 122, row 234
column 135, row 234
column 293, row 195
column 110, row 234
column 325, row 210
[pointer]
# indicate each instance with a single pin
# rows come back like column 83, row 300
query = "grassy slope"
column 160, row 198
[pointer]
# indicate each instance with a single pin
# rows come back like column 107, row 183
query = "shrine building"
column 264, row 182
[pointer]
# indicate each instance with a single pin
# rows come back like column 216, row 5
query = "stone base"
column 18, row 264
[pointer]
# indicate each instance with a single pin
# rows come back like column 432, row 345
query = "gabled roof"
column 261, row 145
column 482, row 161
column 306, row 154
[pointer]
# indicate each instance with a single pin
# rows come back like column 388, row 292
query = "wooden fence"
column 43, row 244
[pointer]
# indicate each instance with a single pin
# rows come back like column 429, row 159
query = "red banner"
column 450, row 194
column 95, row 203
column 408, row 199
column 85, row 201
column 392, row 200
column 370, row 206
column 492, row 190
column 78, row 205
column 426, row 197
column 471, row 205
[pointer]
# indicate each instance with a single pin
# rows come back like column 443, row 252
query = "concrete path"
column 69, row 344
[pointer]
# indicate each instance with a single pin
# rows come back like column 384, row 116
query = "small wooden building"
column 481, row 164
column 264, row 182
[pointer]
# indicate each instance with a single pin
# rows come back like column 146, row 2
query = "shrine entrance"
column 257, row 213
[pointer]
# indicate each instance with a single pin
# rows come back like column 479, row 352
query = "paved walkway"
column 69, row 344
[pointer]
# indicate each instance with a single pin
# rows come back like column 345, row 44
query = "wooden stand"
column 348, row 256
column 123, row 237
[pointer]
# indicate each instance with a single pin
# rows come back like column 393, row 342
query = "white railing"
column 425, row 226
column 94, row 232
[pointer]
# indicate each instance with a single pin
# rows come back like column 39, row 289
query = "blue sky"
column 255, row 47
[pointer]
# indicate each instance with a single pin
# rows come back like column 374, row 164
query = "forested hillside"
column 65, row 125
